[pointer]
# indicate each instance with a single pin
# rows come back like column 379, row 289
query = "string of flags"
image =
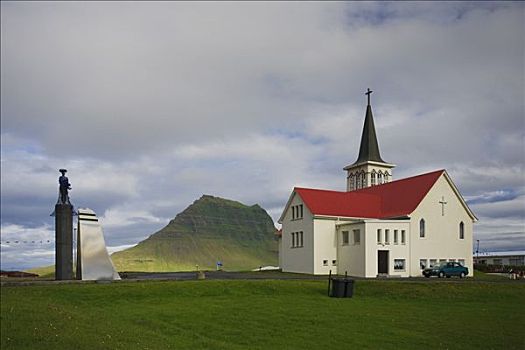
column 41, row 241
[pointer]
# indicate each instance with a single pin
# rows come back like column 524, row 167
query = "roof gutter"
column 337, row 218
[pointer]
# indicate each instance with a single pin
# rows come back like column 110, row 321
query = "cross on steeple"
column 368, row 92
column 442, row 202
column 369, row 149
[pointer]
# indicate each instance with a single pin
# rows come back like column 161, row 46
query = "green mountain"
column 210, row 229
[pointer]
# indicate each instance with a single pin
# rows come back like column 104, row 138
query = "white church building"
column 378, row 226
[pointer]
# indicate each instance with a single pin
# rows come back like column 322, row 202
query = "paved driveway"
column 219, row 275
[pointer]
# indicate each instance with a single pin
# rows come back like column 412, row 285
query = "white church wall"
column 325, row 241
column 294, row 257
column 351, row 256
column 280, row 245
column 442, row 237
column 397, row 250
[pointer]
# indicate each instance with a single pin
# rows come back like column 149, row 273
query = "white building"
column 378, row 226
column 513, row 258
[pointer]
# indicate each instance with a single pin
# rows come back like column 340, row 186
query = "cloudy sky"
column 150, row 105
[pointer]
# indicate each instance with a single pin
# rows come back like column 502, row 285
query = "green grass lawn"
column 263, row 315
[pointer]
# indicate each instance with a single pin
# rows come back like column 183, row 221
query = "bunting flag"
column 41, row 241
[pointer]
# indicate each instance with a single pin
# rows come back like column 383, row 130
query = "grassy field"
column 263, row 315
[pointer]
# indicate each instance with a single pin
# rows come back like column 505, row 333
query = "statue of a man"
column 64, row 187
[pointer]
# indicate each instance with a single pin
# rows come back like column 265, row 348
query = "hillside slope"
column 210, row 229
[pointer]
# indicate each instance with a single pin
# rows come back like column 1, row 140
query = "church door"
column 382, row 262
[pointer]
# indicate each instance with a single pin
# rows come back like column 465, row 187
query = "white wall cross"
column 442, row 202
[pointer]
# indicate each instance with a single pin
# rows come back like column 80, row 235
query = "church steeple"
column 369, row 169
column 369, row 149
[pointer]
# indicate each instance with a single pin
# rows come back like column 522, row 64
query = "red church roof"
column 393, row 199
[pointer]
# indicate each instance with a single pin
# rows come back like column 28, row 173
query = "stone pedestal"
column 64, row 242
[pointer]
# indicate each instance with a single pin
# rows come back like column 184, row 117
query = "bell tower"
column 369, row 169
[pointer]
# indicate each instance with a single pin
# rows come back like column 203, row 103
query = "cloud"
column 13, row 232
column 22, row 258
column 112, row 250
column 499, row 241
column 117, row 217
column 142, row 83
column 23, row 247
column 151, row 105
column 493, row 196
column 30, row 184
column 77, row 64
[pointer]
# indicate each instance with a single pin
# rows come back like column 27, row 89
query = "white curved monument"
column 93, row 260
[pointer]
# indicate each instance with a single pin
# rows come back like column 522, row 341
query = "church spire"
column 369, row 149
column 369, row 169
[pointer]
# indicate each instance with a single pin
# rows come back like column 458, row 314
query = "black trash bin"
column 342, row 288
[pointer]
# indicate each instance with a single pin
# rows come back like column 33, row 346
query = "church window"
column 422, row 264
column 387, row 236
column 345, row 238
column 399, row 264
column 357, row 237
column 395, row 236
column 385, row 176
column 403, row 237
column 461, row 230
column 358, row 181
column 363, row 179
column 379, row 234
column 373, row 178
column 297, row 239
column 380, row 178
column 352, row 182
column 422, row 228
column 297, row 212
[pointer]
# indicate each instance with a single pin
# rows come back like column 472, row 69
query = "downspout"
column 337, row 246
column 409, row 242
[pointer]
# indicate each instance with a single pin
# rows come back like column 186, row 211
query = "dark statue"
column 65, row 186
column 63, row 230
